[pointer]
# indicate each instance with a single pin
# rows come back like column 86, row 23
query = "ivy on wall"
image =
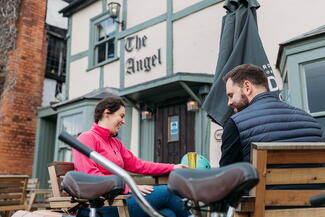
column 9, row 12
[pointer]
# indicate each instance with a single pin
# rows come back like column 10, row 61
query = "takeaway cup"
column 191, row 157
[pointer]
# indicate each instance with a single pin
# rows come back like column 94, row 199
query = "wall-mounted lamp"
column 192, row 105
column 146, row 113
column 114, row 12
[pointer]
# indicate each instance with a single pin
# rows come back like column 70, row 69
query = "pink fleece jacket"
column 100, row 140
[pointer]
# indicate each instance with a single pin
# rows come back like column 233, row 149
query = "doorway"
column 174, row 133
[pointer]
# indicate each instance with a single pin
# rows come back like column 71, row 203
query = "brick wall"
column 22, row 92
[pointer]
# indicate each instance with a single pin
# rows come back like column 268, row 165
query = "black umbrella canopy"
column 240, row 43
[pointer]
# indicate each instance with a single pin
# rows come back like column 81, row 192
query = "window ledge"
column 103, row 63
column 318, row 114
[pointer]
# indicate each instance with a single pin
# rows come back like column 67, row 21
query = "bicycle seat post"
column 231, row 211
column 92, row 212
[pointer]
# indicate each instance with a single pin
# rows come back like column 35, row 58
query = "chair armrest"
column 42, row 191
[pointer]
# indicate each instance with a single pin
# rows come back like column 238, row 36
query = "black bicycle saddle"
column 213, row 185
column 85, row 186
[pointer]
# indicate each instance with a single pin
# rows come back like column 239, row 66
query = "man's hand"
column 178, row 166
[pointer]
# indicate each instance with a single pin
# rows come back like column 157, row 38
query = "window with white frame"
column 104, row 40
column 315, row 79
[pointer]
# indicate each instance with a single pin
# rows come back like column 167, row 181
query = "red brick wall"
column 23, row 90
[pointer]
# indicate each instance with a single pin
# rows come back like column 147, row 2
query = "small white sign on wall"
column 173, row 128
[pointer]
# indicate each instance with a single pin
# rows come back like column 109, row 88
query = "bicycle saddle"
column 85, row 186
column 213, row 185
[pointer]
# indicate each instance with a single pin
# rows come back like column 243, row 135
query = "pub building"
column 160, row 57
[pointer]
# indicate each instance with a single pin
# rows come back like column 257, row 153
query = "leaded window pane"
column 56, row 56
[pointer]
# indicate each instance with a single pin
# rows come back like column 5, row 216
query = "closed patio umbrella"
column 240, row 43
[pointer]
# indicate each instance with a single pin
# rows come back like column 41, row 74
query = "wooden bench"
column 265, row 154
column 37, row 198
column 12, row 193
column 62, row 201
column 150, row 180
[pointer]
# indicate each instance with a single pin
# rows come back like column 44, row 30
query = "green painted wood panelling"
column 190, row 92
column 103, row 63
column 202, row 133
column 194, row 8
column 204, row 78
column 91, row 43
column 78, row 56
column 124, row 13
column 101, row 77
column 147, row 140
column 169, row 39
column 77, row 105
column 45, row 111
column 104, row 6
column 44, row 149
column 122, row 66
column 67, row 76
column 142, row 26
column 126, row 129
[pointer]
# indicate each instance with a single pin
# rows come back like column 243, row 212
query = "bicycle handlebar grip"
column 318, row 200
column 71, row 141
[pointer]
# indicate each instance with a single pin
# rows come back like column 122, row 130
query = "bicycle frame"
column 107, row 164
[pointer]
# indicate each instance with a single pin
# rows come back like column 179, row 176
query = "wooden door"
column 174, row 133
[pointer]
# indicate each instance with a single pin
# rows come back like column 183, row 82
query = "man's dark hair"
column 111, row 103
column 249, row 72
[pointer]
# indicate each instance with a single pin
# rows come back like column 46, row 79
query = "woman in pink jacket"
column 109, row 117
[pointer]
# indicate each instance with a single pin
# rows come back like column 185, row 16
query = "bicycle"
column 220, row 188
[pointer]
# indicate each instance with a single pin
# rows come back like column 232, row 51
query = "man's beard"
column 242, row 104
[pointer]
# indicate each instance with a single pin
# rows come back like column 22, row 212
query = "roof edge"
column 75, row 6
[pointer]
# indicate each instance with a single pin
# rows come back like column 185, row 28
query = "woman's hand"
column 145, row 189
column 178, row 166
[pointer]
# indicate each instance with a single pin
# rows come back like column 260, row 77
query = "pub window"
column 73, row 125
column 104, row 32
column 315, row 88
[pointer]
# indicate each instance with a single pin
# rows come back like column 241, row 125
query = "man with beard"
column 260, row 116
